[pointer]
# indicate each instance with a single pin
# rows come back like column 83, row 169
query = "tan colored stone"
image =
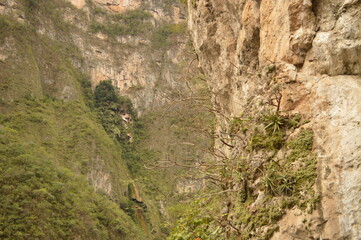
column 78, row 3
column 315, row 47
column 337, row 52
column 119, row 5
column 287, row 30
column 338, row 130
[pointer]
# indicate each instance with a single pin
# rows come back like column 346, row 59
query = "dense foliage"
column 119, row 120
column 113, row 110
column 40, row 200
column 42, row 142
column 53, row 147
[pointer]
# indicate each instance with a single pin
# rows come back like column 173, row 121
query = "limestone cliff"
column 284, row 78
column 144, row 65
column 294, row 57
column 116, row 42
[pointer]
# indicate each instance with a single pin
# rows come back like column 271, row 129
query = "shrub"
column 132, row 22
column 165, row 33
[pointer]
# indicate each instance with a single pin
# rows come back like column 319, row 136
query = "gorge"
column 180, row 120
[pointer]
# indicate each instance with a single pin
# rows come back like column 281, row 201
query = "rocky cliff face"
column 309, row 53
column 131, row 61
column 116, row 42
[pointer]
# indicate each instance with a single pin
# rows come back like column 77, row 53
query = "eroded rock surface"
column 313, row 50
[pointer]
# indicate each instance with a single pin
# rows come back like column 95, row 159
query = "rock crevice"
column 310, row 51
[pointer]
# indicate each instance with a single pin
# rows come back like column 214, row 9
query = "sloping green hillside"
column 53, row 146
column 41, row 199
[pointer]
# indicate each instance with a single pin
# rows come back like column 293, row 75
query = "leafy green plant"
column 274, row 122
column 236, row 126
column 278, row 182
column 269, row 142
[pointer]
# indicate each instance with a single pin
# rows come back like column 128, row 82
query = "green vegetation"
column 112, row 108
column 198, row 221
column 184, row 2
column 132, row 22
column 272, row 134
column 119, row 120
column 166, row 34
column 265, row 141
column 282, row 182
column 168, row 5
column 41, row 200
column 70, row 138
column 266, row 215
column 57, row 138
column 287, row 182
column 8, row 26
column 40, row 197
column 132, row 17
column 118, row 117
column 37, row 11
column 136, row 23
column 52, row 144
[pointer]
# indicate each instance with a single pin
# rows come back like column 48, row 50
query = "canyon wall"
column 135, row 54
column 309, row 51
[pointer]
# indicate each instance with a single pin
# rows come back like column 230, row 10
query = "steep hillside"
column 116, row 124
column 103, row 115
column 73, row 151
column 52, row 146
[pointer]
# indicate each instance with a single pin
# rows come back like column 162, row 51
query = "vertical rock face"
column 131, row 61
column 126, row 57
column 315, row 47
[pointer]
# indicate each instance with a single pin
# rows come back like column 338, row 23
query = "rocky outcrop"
column 78, row 3
column 310, row 50
column 113, row 5
column 130, row 60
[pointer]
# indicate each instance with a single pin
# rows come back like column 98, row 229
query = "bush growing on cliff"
column 165, row 33
column 279, row 159
column 112, row 107
column 132, row 22
column 133, row 16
